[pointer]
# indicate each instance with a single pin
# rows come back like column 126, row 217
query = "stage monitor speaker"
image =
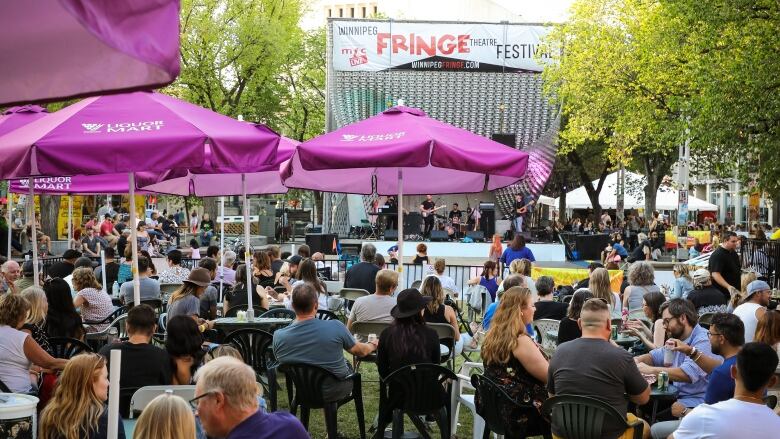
column 391, row 235
column 487, row 222
column 508, row 139
column 591, row 246
column 439, row 235
column 321, row 242
column 476, row 235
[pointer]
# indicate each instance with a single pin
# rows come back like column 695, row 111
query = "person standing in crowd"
column 9, row 274
column 705, row 297
column 175, row 273
column 517, row 250
column 569, row 328
column 496, row 249
column 78, row 408
column 194, row 223
column 681, row 322
column 143, row 364
column 754, row 307
column 112, row 269
column 683, row 282
column 745, row 415
column 591, row 366
column 150, row 288
column 514, row 361
column 363, row 274
column 376, row 307
column 725, row 267
column 546, row 307
column 641, row 278
column 654, row 336
column 309, row 340
column 226, row 403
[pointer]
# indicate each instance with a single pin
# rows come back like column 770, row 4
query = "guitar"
column 426, row 212
column 524, row 209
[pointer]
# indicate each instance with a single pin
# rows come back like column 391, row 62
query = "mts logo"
column 356, row 55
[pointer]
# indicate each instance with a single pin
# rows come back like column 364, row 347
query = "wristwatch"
column 693, row 353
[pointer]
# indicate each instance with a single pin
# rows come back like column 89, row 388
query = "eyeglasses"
column 194, row 401
column 666, row 321
column 712, row 334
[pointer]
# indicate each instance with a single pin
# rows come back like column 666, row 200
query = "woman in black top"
column 35, row 325
column 262, row 272
column 568, row 329
column 184, row 344
column 407, row 341
column 62, row 320
column 237, row 296
column 422, row 254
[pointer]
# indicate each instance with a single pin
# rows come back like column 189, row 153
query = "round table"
column 626, row 341
column 671, row 393
column 230, row 324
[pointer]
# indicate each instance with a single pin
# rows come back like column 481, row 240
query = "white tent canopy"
column 634, row 197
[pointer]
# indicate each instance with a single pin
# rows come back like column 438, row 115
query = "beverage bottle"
column 668, row 354
column 115, row 289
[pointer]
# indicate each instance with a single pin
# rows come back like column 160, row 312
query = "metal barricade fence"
column 763, row 257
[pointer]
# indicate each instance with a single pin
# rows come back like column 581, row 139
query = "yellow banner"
column 140, row 205
column 62, row 218
column 703, row 235
column 570, row 276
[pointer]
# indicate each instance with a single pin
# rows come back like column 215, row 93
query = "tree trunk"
column 50, row 210
column 562, row 208
column 186, row 211
column 318, row 206
column 593, row 193
column 211, row 206
column 655, row 168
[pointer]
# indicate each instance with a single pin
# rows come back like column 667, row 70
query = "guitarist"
column 520, row 210
column 427, row 209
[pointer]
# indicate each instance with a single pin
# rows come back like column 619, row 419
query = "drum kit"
column 454, row 227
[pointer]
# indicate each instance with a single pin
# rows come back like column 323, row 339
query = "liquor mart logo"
column 372, row 137
column 122, row 127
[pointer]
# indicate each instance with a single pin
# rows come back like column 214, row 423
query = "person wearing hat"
column 186, row 300
column 408, row 329
column 66, row 266
column 27, row 275
column 705, row 297
column 316, row 342
column 753, row 307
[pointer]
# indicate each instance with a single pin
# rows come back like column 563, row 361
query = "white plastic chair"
column 466, row 399
column 541, row 327
column 143, row 396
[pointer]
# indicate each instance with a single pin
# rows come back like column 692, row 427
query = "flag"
column 336, row 246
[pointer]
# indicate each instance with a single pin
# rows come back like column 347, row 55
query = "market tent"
column 634, row 198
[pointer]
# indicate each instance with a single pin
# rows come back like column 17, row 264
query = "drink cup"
column 371, row 338
column 668, row 356
column 241, row 316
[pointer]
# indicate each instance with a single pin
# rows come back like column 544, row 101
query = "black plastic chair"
column 66, row 347
column 110, row 318
column 583, row 417
column 4, row 388
column 416, row 390
column 233, row 310
column 491, row 399
column 326, row 315
column 255, row 346
column 279, row 313
column 308, row 382
column 155, row 304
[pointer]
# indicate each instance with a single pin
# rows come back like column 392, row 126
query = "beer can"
column 663, row 380
column 614, row 332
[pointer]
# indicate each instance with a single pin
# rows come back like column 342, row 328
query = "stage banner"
column 670, row 240
column 372, row 46
column 62, row 218
column 570, row 276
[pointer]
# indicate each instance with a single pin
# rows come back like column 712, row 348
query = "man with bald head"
column 592, row 366
column 9, row 273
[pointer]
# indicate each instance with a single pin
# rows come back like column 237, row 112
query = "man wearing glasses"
column 680, row 320
column 727, row 336
column 226, row 403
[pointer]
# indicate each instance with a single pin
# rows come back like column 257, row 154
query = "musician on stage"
column 427, row 210
column 392, row 208
column 520, row 210
column 456, row 216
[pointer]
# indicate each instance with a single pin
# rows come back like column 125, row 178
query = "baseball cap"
column 71, row 254
column 701, row 274
column 295, row 260
column 756, row 286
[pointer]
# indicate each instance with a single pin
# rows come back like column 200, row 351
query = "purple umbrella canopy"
column 433, row 157
column 59, row 49
column 210, row 185
column 134, row 132
column 16, row 117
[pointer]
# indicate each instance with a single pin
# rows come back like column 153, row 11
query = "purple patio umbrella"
column 61, row 49
column 134, row 132
column 402, row 149
column 10, row 120
column 209, row 185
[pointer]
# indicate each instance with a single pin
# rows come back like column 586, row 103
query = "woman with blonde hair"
column 77, row 409
column 745, row 280
column 35, row 324
column 601, row 288
column 167, row 417
column 95, row 304
column 515, row 362
column 768, row 329
column 683, row 282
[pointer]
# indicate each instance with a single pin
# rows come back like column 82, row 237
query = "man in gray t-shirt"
column 592, row 366
column 309, row 340
column 150, row 288
column 376, row 307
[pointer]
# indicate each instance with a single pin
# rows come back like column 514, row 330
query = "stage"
column 553, row 252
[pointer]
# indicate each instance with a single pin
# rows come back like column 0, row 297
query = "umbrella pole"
column 70, row 218
column 247, row 254
column 103, row 270
column 34, row 229
column 113, row 394
column 10, row 214
column 400, row 220
column 221, row 245
column 134, row 241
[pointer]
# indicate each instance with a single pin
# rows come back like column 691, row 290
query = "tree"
column 617, row 75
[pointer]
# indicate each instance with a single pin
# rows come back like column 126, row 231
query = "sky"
column 538, row 10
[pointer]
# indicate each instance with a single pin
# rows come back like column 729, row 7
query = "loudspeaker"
column 476, row 235
column 391, row 235
column 487, row 222
column 591, row 246
column 508, row 139
column 321, row 242
column 439, row 235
